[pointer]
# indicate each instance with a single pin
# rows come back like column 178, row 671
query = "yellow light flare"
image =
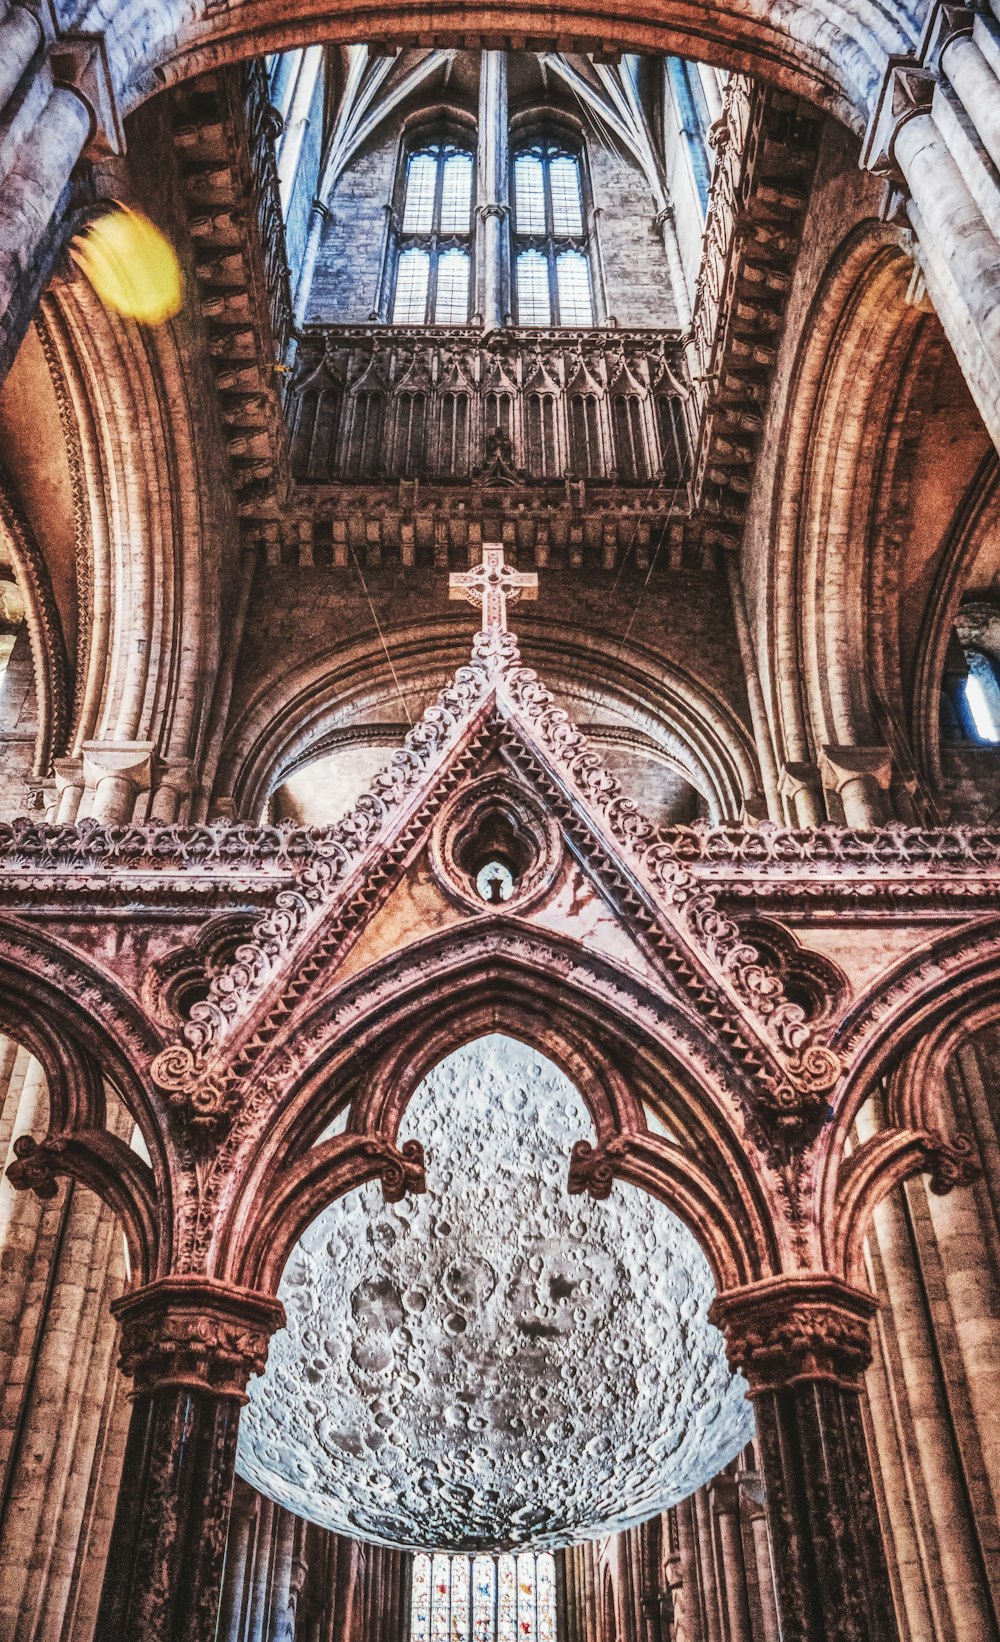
column 131, row 265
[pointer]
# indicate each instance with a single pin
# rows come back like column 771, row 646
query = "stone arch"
column 837, row 60
column 374, row 1041
column 681, row 719
column 839, row 609
column 899, row 1036
column 81, row 1047
column 142, row 521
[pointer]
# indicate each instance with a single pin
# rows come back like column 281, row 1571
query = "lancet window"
column 484, row 1598
column 982, row 696
column 970, row 687
column 433, row 244
column 552, row 276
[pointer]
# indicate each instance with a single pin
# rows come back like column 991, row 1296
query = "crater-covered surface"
column 495, row 1363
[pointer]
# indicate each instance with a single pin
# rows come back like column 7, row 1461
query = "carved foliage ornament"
column 788, row 1330
column 189, row 1332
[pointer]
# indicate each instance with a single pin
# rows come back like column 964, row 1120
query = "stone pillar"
column 919, row 137
column 861, row 778
column 29, row 197
column 493, row 207
column 802, row 790
column 69, row 788
column 174, row 785
column 116, row 772
column 803, row 1343
column 20, row 37
column 190, row 1346
column 752, row 1491
column 725, row 1498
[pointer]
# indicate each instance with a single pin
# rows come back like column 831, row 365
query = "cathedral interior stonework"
column 499, row 821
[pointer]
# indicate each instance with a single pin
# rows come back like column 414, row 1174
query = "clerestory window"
column 982, row 696
column 552, row 281
column 434, row 242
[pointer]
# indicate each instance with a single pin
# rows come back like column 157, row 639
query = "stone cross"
column 491, row 584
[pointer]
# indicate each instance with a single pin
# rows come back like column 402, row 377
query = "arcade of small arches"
column 500, row 726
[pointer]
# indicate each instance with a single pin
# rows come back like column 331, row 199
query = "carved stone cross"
column 491, row 584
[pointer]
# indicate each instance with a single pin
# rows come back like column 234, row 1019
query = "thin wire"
column 378, row 629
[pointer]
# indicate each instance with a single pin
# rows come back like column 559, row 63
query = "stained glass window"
column 433, row 238
column 982, row 696
column 551, row 261
column 534, row 303
column 484, row 1599
column 451, row 306
column 506, row 1599
column 573, row 285
column 526, row 1597
column 420, row 1605
column 545, row 1596
column 484, row 1584
column 412, row 279
column 440, row 1599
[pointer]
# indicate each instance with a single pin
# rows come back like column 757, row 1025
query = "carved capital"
column 130, row 761
column 68, row 772
column 789, row 1329
column 797, row 778
column 945, row 23
column 907, row 90
column 950, row 1163
column 204, row 1102
column 195, row 1333
column 842, row 765
column 80, row 61
column 493, row 208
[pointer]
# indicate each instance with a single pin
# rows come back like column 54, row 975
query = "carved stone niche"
column 494, row 845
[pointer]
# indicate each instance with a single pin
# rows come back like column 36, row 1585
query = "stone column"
column 29, row 198
column 918, row 136
column 803, row 1343
column 174, row 786
column 20, row 37
column 752, row 1491
column 725, row 1498
column 861, row 778
column 190, row 1346
column 69, row 788
column 493, row 207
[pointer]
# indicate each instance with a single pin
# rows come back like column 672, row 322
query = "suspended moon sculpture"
column 494, row 1364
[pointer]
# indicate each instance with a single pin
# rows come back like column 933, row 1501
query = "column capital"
column 80, row 61
column 906, row 91
column 841, row 765
column 492, row 208
column 195, row 1333
column 789, row 1329
column 945, row 22
column 130, row 761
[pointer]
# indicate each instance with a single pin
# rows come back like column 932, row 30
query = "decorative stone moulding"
column 494, row 821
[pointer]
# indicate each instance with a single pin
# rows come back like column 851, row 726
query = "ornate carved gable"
column 492, row 796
